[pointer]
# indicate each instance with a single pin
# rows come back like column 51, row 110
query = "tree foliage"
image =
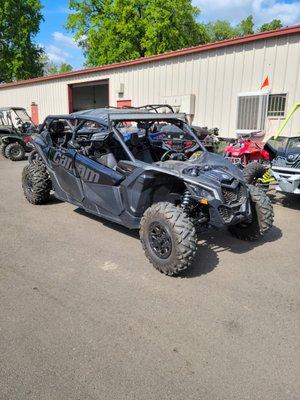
column 58, row 69
column 246, row 26
column 270, row 26
column 118, row 30
column 221, row 30
column 19, row 55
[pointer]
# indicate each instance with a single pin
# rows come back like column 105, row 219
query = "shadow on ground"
column 210, row 244
column 286, row 200
column 214, row 242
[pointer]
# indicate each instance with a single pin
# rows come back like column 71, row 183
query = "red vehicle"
column 247, row 149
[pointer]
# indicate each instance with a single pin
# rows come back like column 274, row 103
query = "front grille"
column 296, row 164
column 226, row 213
column 233, row 196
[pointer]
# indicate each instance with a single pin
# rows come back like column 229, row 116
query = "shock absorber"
column 186, row 200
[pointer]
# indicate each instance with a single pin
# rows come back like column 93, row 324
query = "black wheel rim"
column 160, row 240
column 15, row 151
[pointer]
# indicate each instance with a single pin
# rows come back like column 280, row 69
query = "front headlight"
column 201, row 193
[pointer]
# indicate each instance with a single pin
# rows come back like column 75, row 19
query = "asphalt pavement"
column 85, row 316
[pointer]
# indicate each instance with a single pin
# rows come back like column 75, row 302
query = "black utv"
column 166, row 192
column 16, row 128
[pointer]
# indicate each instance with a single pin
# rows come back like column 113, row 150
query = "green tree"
column 221, row 30
column 19, row 23
column 65, row 67
column 246, row 26
column 50, row 68
column 270, row 26
column 118, row 30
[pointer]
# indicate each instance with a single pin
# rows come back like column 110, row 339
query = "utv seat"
column 58, row 133
column 108, row 159
column 141, row 148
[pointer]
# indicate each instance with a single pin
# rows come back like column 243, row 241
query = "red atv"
column 247, row 149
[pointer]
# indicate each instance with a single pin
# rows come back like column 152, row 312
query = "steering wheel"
column 168, row 154
column 181, row 154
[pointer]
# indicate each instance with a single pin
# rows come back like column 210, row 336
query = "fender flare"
column 13, row 139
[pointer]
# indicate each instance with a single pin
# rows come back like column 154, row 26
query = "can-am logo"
column 85, row 173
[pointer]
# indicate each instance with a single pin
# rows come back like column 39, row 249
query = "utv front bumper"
column 222, row 214
column 288, row 179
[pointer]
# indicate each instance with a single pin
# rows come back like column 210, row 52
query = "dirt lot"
column 85, row 316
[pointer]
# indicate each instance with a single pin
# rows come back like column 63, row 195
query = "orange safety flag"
column 265, row 83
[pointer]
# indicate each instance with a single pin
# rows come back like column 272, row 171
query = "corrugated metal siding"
column 216, row 77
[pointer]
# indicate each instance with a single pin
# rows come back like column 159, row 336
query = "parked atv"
column 284, row 162
column 16, row 129
column 246, row 149
column 140, row 184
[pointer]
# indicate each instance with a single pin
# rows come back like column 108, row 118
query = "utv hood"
column 209, row 169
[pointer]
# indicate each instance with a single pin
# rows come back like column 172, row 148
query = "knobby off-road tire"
column 253, row 171
column 15, row 152
column 2, row 149
column 177, row 237
column 262, row 217
column 34, row 157
column 36, row 183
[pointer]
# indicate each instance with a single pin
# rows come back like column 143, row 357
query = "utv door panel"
column 100, row 186
column 62, row 164
column 91, row 171
column 102, row 199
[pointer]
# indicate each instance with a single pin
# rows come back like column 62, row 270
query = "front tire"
column 36, row 183
column 168, row 238
column 15, row 152
column 253, row 171
column 262, row 217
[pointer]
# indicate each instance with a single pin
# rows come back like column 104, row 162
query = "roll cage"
column 20, row 115
column 111, row 120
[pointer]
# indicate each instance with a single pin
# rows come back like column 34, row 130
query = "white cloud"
column 65, row 40
column 262, row 10
column 56, row 54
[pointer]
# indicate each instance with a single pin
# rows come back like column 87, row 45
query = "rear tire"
column 262, row 217
column 36, row 183
column 253, row 171
column 2, row 149
column 15, row 152
column 168, row 238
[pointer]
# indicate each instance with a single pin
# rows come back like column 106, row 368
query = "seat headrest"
column 134, row 139
column 57, row 127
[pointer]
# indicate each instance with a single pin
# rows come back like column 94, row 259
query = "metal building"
column 217, row 85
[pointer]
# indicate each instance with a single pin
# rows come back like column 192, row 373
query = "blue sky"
column 60, row 46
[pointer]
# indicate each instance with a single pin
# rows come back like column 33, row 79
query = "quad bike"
column 16, row 128
column 144, row 184
column 284, row 162
column 246, row 149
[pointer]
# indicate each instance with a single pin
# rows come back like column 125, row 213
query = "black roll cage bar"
column 148, row 107
column 79, row 121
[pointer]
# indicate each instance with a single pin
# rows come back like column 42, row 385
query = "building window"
column 276, row 105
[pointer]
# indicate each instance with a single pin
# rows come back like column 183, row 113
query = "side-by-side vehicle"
column 143, row 182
